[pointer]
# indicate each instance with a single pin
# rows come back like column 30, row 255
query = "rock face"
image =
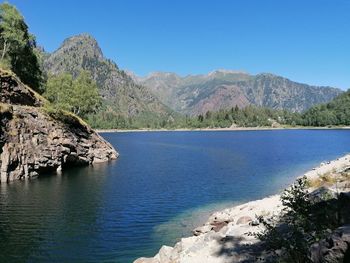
column 14, row 92
column 335, row 248
column 33, row 141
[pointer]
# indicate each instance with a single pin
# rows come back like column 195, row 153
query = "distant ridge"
column 160, row 93
column 222, row 89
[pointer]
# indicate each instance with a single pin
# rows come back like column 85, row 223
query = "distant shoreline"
column 224, row 129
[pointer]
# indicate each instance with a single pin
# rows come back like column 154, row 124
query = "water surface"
column 162, row 185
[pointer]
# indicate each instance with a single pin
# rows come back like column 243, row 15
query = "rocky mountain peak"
column 76, row 53
column 84, row 42
column 226, row 72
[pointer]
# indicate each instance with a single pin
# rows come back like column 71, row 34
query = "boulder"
column 335, row 248
column 217, row 226
column 244, row 220
column 321, row 194
column 202, row 229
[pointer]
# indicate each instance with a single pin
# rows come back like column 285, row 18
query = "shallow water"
column 163, row 184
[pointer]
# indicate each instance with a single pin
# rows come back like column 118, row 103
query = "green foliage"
column 302, row 223
column 336, row 112
column 17, row 47
column 59, row 89
column 79, row 95
column 108, row 118
column 250, row 116
column 85, row 98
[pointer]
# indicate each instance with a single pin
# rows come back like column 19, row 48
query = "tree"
column 17, row 47
column 85, row 98
column 79, row 96
column 59, row 90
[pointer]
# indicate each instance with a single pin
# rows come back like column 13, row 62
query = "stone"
column 146, row 260
column 335, row 248
column 202, row 229
column 244, row 220
column 217, row 226
column 254, row 223
column 322, row 193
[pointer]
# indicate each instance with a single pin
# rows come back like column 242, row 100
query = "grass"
column 329, row 179
column 64, row 116
column 5, row 108
column 346, row 175
column 326, row 179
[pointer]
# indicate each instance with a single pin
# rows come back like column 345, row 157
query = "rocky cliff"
column 36, row 139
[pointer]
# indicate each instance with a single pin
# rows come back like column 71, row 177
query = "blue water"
column 162, row 185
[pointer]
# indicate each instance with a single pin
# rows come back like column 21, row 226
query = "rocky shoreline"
column 225, row 237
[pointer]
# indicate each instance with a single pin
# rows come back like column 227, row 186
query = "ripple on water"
column 161, row 188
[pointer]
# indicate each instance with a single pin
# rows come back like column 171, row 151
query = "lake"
column 161, row 187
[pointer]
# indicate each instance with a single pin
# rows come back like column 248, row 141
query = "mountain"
column 222, row 89
column 120, row 93
column 155, row 97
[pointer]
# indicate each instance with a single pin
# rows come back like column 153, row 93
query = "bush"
column 302, row 223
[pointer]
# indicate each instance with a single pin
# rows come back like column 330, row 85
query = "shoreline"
column 223, row 129
column 227, row 229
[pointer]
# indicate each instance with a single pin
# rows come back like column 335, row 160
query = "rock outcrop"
column 35, row 140
column 12, row 91
column 335, row 248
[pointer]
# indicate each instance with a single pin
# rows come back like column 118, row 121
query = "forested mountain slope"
column 223, row 89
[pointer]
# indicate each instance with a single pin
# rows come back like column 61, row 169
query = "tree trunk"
column 4, row 50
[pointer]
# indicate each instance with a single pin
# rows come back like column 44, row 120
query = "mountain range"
column 162, row 95
column 223, row 89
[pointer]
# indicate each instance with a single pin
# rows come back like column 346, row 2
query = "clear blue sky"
column 304, row 40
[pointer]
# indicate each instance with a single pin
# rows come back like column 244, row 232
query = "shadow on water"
column 30, row 210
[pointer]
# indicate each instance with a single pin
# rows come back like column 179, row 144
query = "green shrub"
column 301, row 223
